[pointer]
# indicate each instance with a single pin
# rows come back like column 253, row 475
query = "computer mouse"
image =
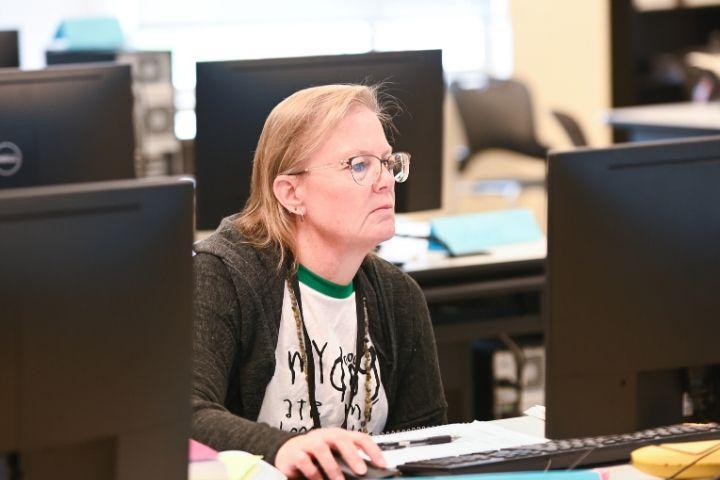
column 373, row 471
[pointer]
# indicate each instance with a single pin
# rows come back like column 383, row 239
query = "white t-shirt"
column 331, row 322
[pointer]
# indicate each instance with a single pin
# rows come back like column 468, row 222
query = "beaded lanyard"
column 309, row 362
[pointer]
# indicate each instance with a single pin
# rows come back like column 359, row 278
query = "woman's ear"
column 286, row 190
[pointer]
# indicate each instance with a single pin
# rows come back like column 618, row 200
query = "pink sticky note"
column 199, row 452
column 603, row 473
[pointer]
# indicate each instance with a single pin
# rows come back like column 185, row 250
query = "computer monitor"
column 9, row 49
column 633, row 282
column 148, row 66
column 65, row 125
column 62, row 57
column 158, row 151
column 234, row 99
column 95, row 329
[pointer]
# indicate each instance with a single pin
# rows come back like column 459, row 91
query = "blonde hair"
column 294, row 129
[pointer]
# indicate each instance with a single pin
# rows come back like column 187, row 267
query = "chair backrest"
column 498, row 115
column 571, row 127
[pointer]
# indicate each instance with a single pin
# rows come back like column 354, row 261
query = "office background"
column 564, row 58
column 500, row 38
column 562, row 50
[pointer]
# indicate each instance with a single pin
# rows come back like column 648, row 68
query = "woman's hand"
column 306, row 454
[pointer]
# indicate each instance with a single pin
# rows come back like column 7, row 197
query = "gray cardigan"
column 238, row 303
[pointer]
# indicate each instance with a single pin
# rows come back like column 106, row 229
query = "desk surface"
column 686, row 115
column 527, row 425
column 507, row 268
column 438, row 263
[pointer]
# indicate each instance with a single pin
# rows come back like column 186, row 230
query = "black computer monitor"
column 9, row 49
column 65, row 125
column 633, row 283
column 235, row 98
column 62, row 57
column 148, row 66
column 95, row 329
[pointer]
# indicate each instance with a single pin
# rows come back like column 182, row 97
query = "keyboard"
column 565, row 454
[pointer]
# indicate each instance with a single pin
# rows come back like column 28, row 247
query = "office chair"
column 498, row 115
column 571, row 128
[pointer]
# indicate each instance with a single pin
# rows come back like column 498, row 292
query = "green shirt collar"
column 326, row 287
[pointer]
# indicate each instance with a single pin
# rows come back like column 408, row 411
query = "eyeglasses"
column 366, row 169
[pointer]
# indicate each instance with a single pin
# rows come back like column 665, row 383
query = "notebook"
column 474, row 437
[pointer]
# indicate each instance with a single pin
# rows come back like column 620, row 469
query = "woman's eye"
column 359, row 166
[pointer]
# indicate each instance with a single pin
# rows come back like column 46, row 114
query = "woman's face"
column 336, row 207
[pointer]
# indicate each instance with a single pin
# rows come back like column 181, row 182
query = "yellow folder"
column 668, row 459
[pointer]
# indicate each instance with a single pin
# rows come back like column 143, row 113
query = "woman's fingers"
column 368, row 445
column 348, row 450
column 305, row 464
column 327, row 462
column 311, row 454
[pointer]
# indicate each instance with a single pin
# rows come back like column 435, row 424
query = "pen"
column 417, row 442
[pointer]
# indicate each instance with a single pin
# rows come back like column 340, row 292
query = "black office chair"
column 571, row 127
column 499, row 115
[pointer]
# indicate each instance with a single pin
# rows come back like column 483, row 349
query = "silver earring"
column 298, row 211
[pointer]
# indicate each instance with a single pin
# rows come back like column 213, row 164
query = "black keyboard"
column 570, row 453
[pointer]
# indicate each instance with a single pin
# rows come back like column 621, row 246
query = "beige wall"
column 562, row 51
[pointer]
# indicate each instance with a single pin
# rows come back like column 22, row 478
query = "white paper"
column 537, row 411
column 401, row 250
column 473, row 438
column 412, row 228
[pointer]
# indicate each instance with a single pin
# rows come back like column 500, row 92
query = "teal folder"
column 534, row 475
column 476, row 233
column 102, row 33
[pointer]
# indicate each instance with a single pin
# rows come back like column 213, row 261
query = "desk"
column 664, row 121
column 477, row 297
column 526, row 425
column 506, row 271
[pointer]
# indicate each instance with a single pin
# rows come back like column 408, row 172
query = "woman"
column 304, row 339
